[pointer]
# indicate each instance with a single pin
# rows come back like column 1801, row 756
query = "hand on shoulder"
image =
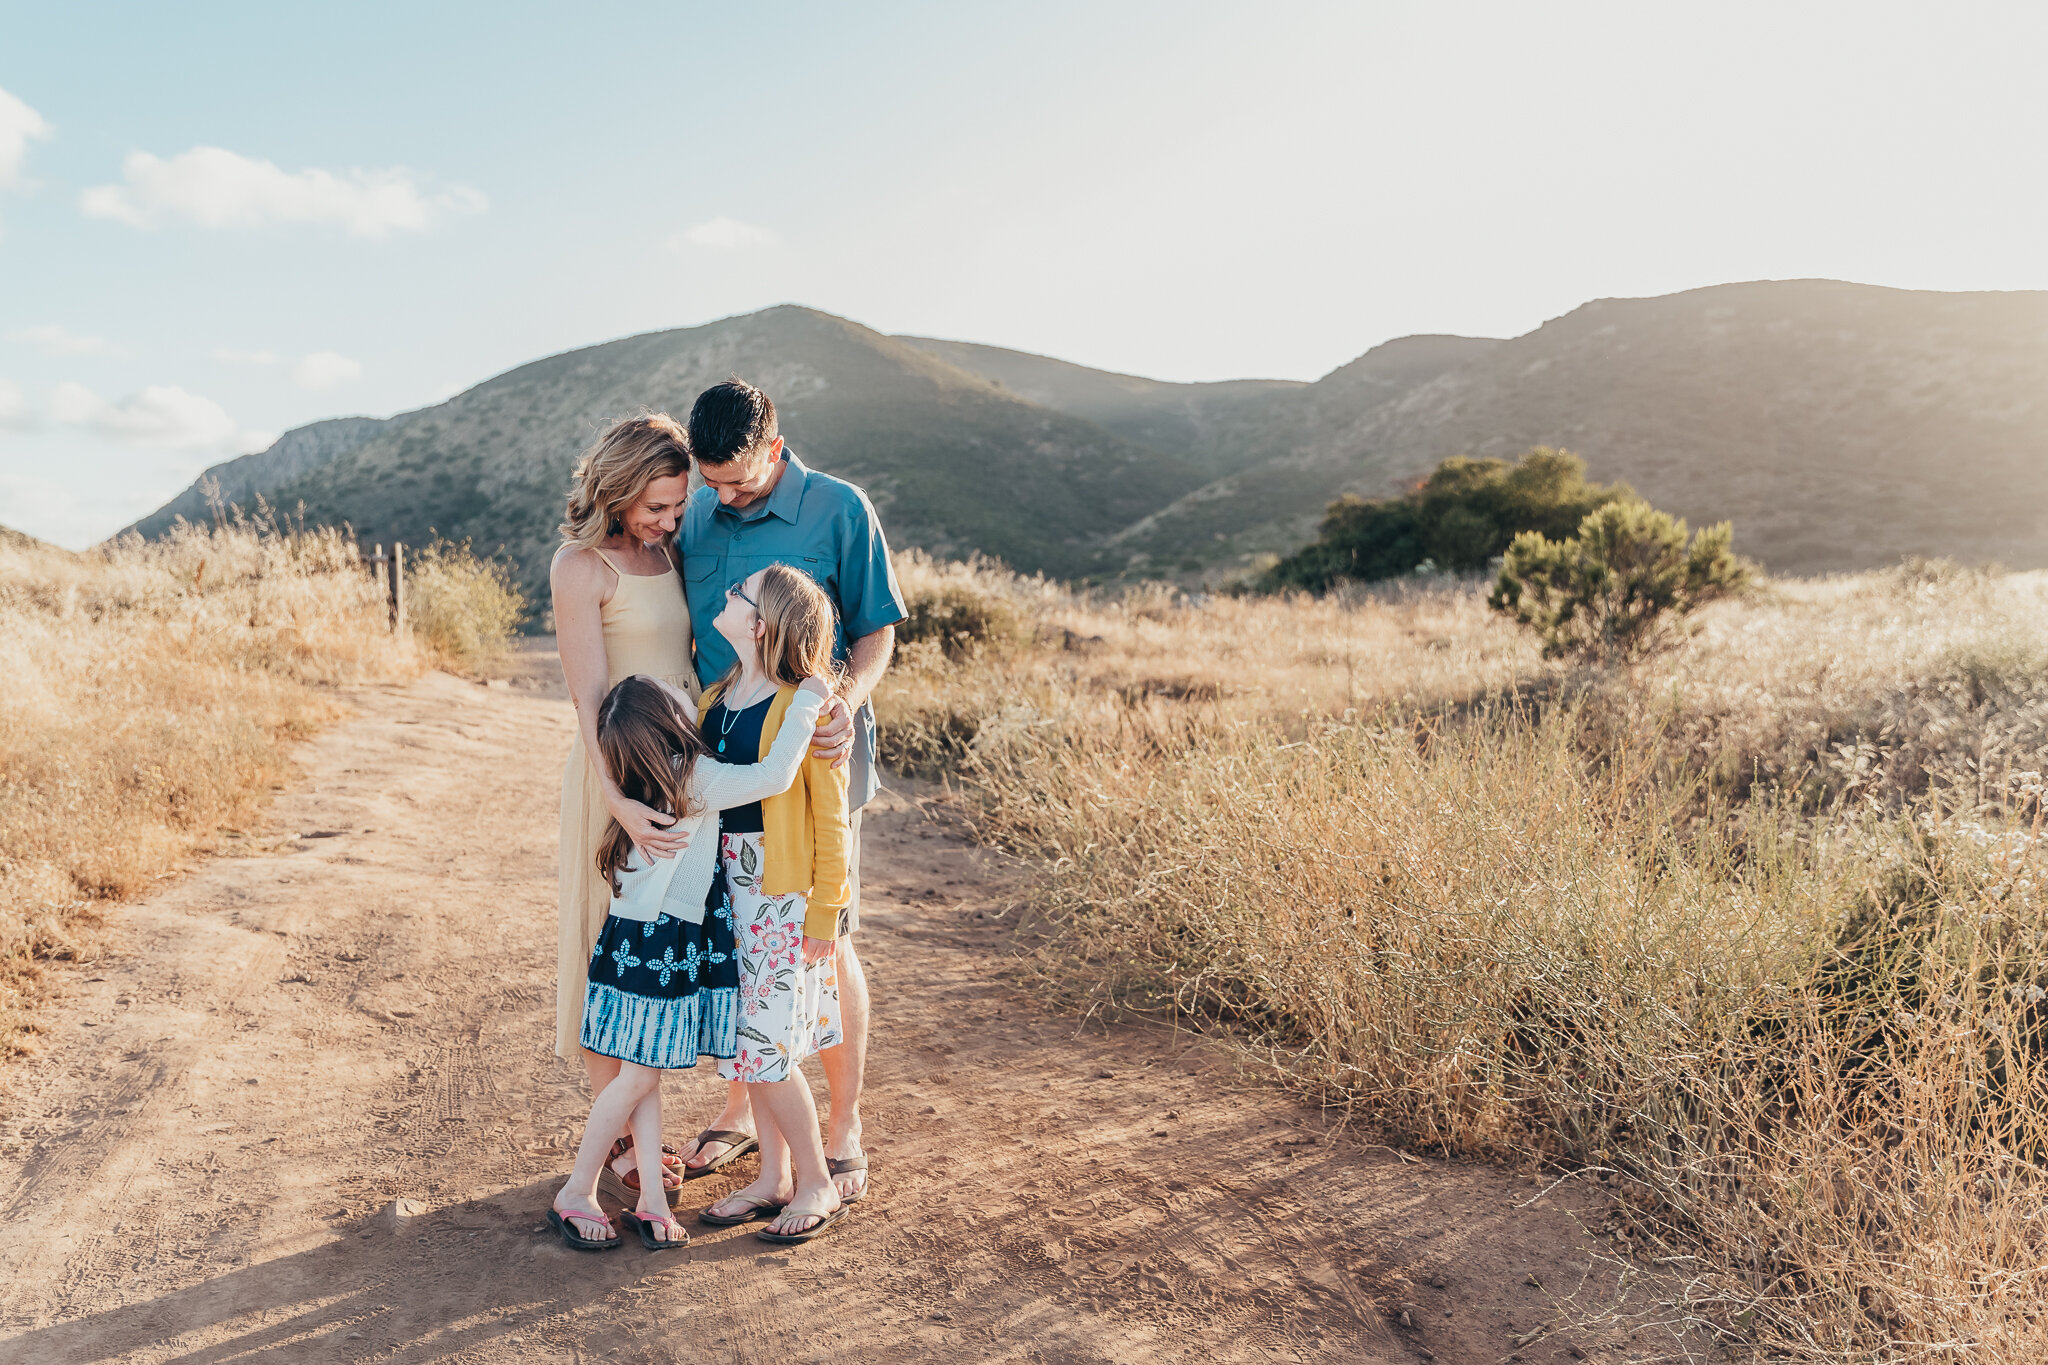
column 817, row 686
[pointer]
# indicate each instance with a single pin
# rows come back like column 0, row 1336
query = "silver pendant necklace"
column 730, row 719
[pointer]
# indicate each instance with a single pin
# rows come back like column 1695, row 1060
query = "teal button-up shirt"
column 813, row 522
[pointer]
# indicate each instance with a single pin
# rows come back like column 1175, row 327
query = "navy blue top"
column 813, row 522
column 735, row 737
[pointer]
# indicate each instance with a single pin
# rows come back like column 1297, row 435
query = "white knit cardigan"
column 677, row 886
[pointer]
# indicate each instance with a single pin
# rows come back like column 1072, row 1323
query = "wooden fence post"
column 397, row 587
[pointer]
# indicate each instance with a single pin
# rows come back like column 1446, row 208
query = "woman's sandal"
column 626, row 1188
column 757, row 1209
column 676, row 1238
column 816, row 1229
column 838, row 1166
column 576, row 1239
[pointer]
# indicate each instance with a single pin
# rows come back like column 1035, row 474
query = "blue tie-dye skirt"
column 663, row 992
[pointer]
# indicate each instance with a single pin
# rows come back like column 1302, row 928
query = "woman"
column 619, row 610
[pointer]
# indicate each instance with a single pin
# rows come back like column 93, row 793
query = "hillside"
column 299, row 451
column 956, row 463
column 1210, row 425
column 1269, row 496
column 1840, row 426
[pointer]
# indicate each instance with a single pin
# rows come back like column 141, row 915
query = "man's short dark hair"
column 730, row 420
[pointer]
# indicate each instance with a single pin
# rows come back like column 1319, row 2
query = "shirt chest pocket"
column 738, row 566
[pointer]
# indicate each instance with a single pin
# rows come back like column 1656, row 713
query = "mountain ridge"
column 1839, row 425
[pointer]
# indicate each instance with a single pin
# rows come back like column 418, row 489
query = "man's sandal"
column 675, row 1236
column 817, row 1229
column 739, row 1144
column 576, row 1239
column 757, row 1209
column 838, row 1166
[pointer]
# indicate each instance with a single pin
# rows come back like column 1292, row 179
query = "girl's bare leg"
column 600, row 1071
column 608, row 1118
column 774, row 1183
column 788, row 1108
column 646, row 1124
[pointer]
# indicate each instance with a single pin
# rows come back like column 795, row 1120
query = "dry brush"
column 1751, row 931
column 153, row 689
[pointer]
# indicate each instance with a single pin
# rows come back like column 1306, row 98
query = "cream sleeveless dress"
column 646, row 630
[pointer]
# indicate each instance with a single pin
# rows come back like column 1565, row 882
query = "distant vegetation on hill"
column 1456, row 520
column 1840, row 426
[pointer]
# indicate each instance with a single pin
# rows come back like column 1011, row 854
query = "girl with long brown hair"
column 663, row 975
column 785, row 880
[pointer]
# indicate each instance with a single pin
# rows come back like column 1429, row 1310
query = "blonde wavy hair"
column 798, row 641
column 617, row 469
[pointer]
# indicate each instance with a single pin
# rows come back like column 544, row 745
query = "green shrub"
column 1457, row 519
column 1607, row 591
column 461, row 606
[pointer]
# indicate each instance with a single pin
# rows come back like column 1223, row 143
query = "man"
column 761, row 506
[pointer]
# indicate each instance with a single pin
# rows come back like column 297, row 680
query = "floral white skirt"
column 787, row 1011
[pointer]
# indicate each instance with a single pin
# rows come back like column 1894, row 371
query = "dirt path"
column 308, row 1111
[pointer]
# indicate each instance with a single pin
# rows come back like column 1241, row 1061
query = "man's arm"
column 867, row 659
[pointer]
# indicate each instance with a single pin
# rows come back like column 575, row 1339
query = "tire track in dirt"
column 309, row 1111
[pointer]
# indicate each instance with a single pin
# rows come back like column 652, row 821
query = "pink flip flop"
column 676, row 1236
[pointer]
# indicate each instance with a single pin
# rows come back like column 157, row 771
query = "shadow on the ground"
column 410, row 1289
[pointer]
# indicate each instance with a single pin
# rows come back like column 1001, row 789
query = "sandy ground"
column 307, row 1110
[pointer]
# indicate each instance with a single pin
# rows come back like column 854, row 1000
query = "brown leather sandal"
column 838, row 1166
column 626, row 1188
column 757, row 1210
column 739, row 1145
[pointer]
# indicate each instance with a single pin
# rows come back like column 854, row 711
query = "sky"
column 221, row 221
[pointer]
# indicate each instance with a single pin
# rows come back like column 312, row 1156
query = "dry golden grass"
column 151, row 689
column 1752, row 932
column 463, row 609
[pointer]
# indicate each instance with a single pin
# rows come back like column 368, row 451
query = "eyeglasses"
column 739, row 590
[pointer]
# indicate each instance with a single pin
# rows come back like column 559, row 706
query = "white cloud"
column 320, row 370
column 162, row 415
column 216, row 188
column 228, row 355
column 723, row 234
column 19, row 125
column 14, row 411
column 44, row 508
column 61, row 341
column 325, row 369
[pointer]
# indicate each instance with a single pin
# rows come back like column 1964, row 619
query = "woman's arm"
column 721, row 786
column 578, row 580
column 692, row 684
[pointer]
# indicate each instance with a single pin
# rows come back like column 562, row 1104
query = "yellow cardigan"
column 808, row 833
